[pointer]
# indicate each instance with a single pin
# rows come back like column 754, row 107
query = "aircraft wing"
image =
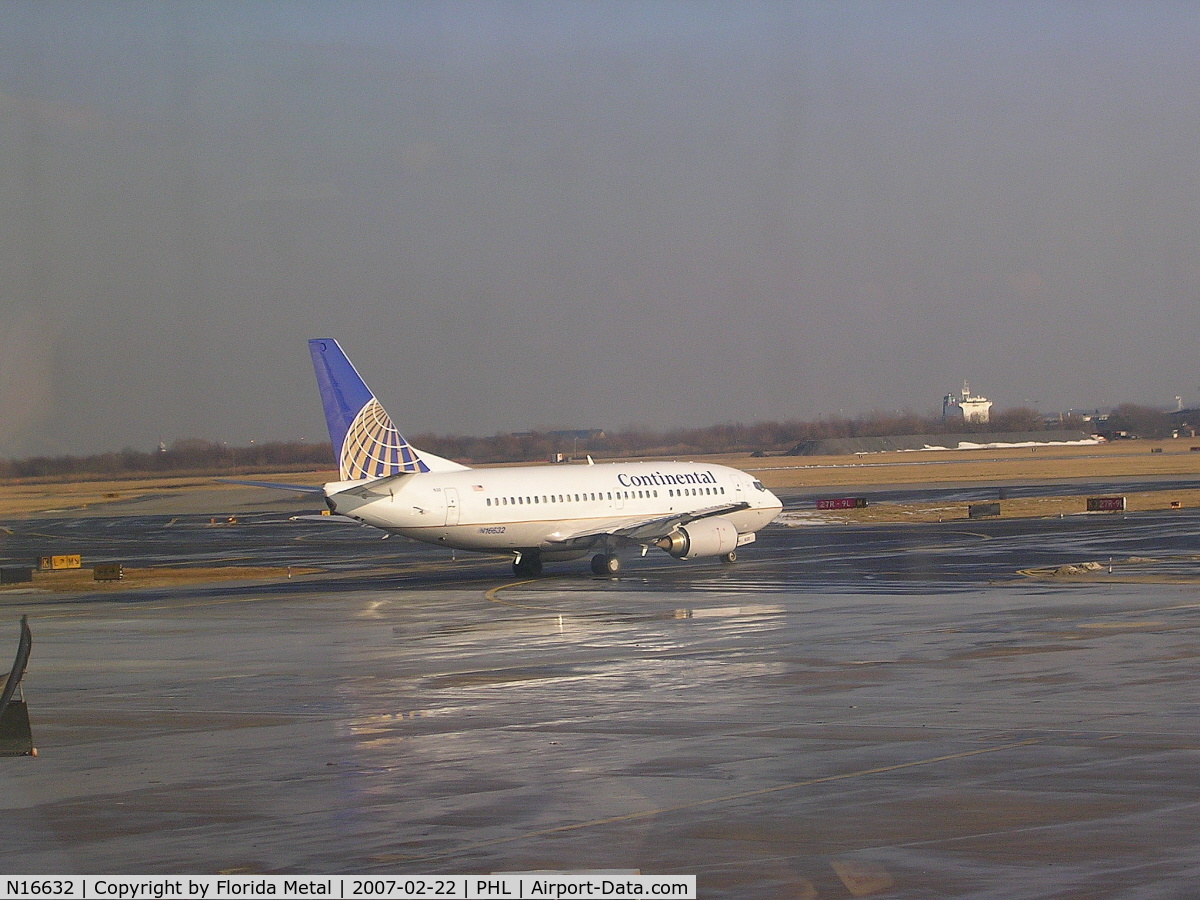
column 643, row 532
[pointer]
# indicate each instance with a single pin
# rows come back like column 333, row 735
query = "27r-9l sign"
column 842, row 503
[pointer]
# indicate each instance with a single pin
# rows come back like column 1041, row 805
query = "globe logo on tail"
column 374, row 448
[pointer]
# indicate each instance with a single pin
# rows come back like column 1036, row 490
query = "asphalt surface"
column 894, row 711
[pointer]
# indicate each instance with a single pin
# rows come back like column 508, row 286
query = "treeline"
column 1138, row 421
column 206, row 457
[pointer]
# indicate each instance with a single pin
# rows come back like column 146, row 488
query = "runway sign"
column 843, row 503
column 108, row 572
column 979, row 510
column 64, row 561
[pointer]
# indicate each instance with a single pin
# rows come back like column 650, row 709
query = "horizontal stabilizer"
column 276, row 486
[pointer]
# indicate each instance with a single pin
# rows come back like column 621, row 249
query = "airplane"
column 546, row 513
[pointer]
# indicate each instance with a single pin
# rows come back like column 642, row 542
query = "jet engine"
column 703, row 537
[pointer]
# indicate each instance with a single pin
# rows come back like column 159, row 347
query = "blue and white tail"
column 365, row 442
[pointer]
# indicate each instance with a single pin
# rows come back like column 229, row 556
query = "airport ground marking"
column 492, row 596
column 713, row 801
column 50, row 537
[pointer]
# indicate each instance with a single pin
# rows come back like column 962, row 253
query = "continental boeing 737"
column 539, row 514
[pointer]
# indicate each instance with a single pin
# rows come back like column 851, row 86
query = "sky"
column 523, row 215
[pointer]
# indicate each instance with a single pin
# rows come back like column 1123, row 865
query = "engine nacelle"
column 704, row 537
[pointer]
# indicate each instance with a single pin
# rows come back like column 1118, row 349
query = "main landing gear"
column 528, row 565
column 606, row 564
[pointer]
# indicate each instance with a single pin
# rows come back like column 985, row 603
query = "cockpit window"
column 759, row 486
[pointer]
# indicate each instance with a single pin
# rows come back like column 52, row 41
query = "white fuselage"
column 546, row 507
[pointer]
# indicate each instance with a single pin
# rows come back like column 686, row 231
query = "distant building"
column 581, row 434
column 1185, row 422
column 971, row 409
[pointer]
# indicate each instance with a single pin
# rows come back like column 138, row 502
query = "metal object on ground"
column 108, row 572
column 978, row 510
column 16, row 738
column 1105, row 504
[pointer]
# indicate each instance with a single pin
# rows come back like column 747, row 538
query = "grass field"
column 1123, row 459
column 1117, row 459
column 22, row 499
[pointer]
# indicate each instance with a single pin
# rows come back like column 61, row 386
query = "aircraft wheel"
column 606, row 564
column 730, row 557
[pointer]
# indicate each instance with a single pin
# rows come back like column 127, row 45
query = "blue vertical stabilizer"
column 365, row 442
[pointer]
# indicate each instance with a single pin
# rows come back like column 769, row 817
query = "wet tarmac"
column 893, row 711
